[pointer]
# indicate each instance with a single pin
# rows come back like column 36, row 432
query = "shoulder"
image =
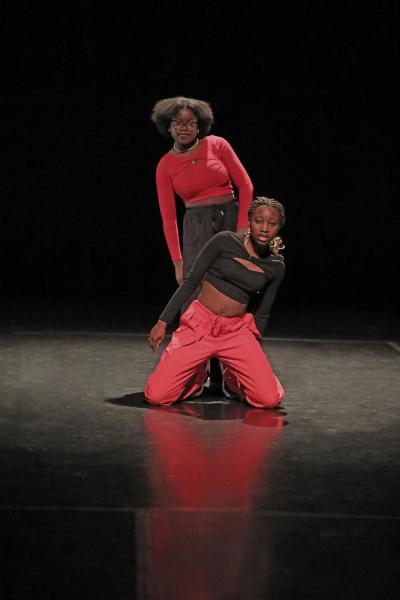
column 227, row 239
column 164, row 163
column 278, row 258
column 228, row 235
column 216, row 141
column 165, row 159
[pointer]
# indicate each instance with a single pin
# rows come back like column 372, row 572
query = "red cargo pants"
column 202, row 335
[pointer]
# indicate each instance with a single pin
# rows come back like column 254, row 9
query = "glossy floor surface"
column 103, row 496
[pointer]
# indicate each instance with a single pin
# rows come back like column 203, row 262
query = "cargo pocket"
column 251, row 325
column 188, row 332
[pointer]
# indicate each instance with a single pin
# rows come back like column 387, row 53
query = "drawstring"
column 216, row 326
column 213, row 324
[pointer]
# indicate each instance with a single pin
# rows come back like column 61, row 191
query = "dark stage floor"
column 103, row 496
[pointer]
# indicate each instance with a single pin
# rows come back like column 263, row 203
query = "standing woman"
column 203, row 171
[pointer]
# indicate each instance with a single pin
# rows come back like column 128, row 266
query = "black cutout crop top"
column 217, row 264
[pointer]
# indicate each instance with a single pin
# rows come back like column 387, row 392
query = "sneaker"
column 198, row 393
column 205, row 384
column 227, row 393
column 225, row 388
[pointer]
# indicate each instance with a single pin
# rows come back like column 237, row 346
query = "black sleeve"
column 262, row 313
column 204, row 260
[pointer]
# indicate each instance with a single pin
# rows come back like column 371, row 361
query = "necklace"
column 186, row 149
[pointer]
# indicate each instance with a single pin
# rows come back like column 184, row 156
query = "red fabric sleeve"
column 167, row 204
column 240, row 178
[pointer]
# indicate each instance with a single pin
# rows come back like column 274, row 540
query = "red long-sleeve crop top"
column 208, row 171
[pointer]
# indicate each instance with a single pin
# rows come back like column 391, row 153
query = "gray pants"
column 199, row 225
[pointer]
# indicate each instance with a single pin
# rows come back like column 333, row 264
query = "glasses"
column 178, row 124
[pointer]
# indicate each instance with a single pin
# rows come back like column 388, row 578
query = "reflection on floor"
column 103, row 496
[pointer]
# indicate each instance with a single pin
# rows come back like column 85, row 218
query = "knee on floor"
column 156, row 397
column 265, row 399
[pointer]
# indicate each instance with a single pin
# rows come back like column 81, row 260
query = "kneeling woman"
column 242, row 273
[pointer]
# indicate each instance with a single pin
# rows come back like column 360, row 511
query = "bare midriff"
column 210, row 201
column 218, row 303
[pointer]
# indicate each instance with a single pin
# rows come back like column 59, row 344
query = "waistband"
column 205, row 322
column 211, row 206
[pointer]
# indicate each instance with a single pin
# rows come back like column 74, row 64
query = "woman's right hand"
column 157, row 335
column 179, row 271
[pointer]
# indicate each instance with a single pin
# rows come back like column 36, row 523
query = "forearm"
column 245, row 192
column 263, row 311
column 178, row 265
column 166, row 201
column 171, row 235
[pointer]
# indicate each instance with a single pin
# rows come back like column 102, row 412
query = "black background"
column 304, row 92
